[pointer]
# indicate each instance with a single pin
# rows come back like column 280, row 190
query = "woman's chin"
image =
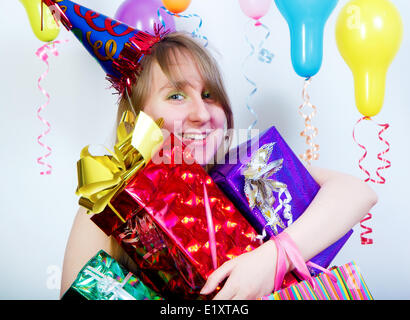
column 202, row 156
column 203, row 151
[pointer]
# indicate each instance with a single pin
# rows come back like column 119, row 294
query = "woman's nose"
column 199, row 112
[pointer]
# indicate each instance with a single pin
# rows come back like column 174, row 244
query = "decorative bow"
column 260, row 187
column 100, row 178
column 108, row 285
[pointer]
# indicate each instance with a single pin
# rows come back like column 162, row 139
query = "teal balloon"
column 306, row 20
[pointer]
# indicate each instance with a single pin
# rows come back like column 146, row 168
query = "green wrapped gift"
column 103, row 278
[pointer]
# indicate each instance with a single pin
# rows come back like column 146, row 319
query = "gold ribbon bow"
column 260, row 187
column 101, row 177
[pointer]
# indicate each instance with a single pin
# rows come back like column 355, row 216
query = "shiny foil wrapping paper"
column 103, row 278
column 285, row 169
column 166, row 230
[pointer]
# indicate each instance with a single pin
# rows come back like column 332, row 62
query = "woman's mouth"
column 194, row 137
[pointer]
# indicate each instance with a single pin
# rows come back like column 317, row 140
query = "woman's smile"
column 199, row 138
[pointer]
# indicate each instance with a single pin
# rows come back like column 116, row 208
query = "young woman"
column 181, row 83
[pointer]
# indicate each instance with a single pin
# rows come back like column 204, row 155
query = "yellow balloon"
column 50, row 28
column 368, row 35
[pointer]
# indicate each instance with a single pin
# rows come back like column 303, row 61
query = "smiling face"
column 187, row 106
column 181, row 82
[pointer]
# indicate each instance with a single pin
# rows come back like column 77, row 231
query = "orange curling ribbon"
column 382, row 180
column 310, row 131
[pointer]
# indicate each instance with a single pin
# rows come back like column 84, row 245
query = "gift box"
column 347, row 284
column 175, row 223
column 270, row 186
column 103, row 278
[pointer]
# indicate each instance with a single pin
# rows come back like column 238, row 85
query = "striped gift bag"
column 349, row 285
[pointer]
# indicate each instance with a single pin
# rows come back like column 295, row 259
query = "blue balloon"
column 306, row 20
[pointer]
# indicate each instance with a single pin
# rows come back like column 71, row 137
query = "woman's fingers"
column 227, row 292
column 217, row 276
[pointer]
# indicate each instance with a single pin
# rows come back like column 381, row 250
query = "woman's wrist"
column 287, row 262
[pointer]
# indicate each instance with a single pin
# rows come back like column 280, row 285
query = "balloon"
column 143, row 14
column 306, row 20
column 176, row 6
column 50, row 28
column 255, row 9
column 368, row 35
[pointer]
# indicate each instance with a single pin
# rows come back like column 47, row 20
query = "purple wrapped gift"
column 271, row 187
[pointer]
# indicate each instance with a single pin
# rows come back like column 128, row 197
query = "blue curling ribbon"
column 264, row 56
column 195, row 33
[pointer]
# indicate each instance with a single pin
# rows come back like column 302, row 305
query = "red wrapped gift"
column 166, row 230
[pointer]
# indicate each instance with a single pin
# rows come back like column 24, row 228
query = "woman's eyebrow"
column 175, row 85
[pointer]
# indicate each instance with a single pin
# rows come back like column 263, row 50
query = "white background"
column 37, row 211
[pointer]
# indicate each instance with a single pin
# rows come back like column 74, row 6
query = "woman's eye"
column 206, row 95
column 176, row 96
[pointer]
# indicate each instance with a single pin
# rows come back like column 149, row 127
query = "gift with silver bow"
column 271, row 187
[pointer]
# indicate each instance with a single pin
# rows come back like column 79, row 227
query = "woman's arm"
column 85, row 240
column 340, row 203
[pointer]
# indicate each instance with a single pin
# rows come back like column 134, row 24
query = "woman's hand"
column 251, row 275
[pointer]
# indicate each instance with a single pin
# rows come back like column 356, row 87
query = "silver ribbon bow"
column 108, row 285
column 260, row 188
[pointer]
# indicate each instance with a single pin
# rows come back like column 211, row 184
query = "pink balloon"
column 255, row 9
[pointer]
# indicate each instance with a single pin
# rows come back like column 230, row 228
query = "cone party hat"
column 117, row 47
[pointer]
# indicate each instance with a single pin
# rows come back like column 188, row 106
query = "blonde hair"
column 162, row 53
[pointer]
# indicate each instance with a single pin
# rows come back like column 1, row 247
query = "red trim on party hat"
column 128, row 63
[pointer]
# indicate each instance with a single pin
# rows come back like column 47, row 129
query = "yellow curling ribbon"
column 100, row 178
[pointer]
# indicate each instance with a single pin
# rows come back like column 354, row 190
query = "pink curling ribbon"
column 310, row 131
column 382, row 180
column 367, row 229
column 42, row 53
column 211, row 229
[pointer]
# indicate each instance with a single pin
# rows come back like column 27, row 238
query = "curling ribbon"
column 259, row 188
column 265, row 56
column 367, row 230
column 100, row 178
column 310, row 131
column 108, row 285
column 42, row 53
column 379, row 156
column 195, row 33
column 382, row 180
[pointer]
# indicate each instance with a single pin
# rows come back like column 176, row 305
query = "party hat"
column 117, row 47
